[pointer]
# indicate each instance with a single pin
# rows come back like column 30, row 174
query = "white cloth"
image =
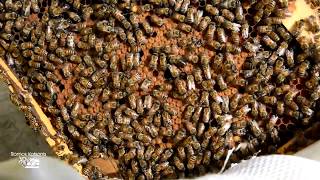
column 271, row 167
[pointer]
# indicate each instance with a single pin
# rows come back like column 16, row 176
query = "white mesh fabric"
column 273, row 167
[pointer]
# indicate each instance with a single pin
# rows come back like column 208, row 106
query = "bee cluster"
column 167, row 87
column 314, row 4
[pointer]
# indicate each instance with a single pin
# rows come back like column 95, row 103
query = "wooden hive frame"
column 55, row 142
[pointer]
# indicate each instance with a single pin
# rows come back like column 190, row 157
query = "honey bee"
column 80, row 88
column 163, row 11
column 234, row 101
column 134, row 20
column 135, row 78
column 168, row 108
column 290, row 57
column 204, row 98
column 251, row 47
column 282, row 49
column 239, row 12
column 140, row 152
column 190, row 15
column 147, row 155
column 146, row 8
column 147, row 102
column 166, row 118
column 302, row 100
column 130, row 155
column 313, row 23
column 161, row 167
column 19, row 23
column 269, row 42
column 40, row 51
column 307, row 111
column 302, row 69
column 126, row 24
column 297, row 28
column 167, row 131
column 257, row 131
column 134, row 167
column 271, row 100
column 302, row 57
column 178, row 163
column 181, row 153
column 221, row 83
column 10, row 16
column 178, row 17
column 190, row 127
column 196, row 114
column 153, row 61
column 40, row 87
column 184, row 27
column 152, row 130
column 166, row 155
column 34, row 64
column 156, row 20
column 190, row 82
column 53, row 44
column 197, row 17
column 173, row 59
column 262, row 111
column 174, row 70
column 181, row 86
column 8, row 26
column 225, row 104
column 189, row 111
column 89, row 98
column 195, row 144
column 235, row 38
column 103, row 27
column 295, row 114
column 191, row 98
column 130, row 38
column 206, row 115
column 184, row 6
column 115, row 139
column 177, row 5
column 154, row 108
column 87, row 11
column 243, row 111
column 221, row 35
column 131, row 113
column 117, row 14
column 245, row 30
column 252, row 88
column 191, row 162
column 290, row 95
column 283, row 33
column 140, row 107
column 292, row 105
column 73, row 131
column 148, row 173
column 228, row 14
column 258, row 15
column 110, row 105
column 173, row 34
column 204, row 23
column 49, row 66
column 144, row 138
column 213, row 11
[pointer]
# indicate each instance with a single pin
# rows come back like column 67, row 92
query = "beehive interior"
column 167, row 99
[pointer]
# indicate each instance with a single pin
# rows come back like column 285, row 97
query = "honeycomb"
column 73, row 59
